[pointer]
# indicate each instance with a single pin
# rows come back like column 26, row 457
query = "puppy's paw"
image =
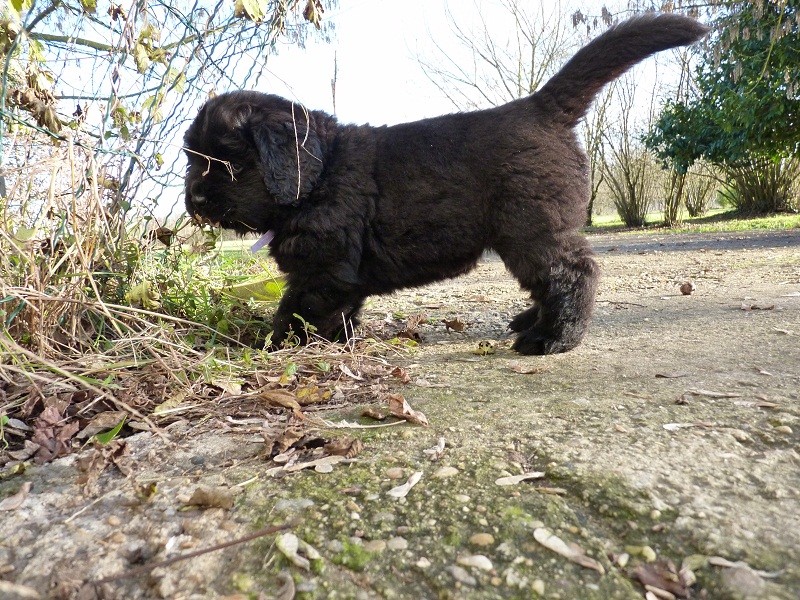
column 532, row 341
column 525, row 320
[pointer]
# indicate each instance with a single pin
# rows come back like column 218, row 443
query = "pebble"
column 463, row 498
column 445, row 472
column 397, row 543
column 375, row 546
column 743, row 582
column 394, row 473
column 461, row 575
column 513, row 579
column 740, row 436
column 482, row 539
column 114, row 521
column 784, row 429
column 538, row 587
column 423, row 563
column 478, row 561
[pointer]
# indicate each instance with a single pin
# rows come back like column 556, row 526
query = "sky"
column 377, row 46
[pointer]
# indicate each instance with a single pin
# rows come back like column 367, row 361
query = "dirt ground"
column 662, row 452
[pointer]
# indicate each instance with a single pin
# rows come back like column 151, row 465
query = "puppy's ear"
column 291, row 159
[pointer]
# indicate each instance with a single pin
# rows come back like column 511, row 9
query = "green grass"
column 715, row 221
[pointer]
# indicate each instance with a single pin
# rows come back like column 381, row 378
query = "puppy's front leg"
column 328, row 310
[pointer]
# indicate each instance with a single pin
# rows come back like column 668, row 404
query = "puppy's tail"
column 571, row 91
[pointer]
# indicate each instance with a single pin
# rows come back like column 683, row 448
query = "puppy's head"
column 250, row 154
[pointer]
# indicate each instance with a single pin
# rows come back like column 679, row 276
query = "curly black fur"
column 360, row 210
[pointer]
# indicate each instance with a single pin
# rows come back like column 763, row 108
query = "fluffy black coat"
column 361, row 210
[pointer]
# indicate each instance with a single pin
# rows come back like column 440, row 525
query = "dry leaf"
column 437, row 451
column 557, row 545
column 402, row 410
column 14, row 501
column 374, row 413
column 346, row 370
column 401, row 374
column 345, row 446
column 746, row 306
column 671, row 375
column 455, row 324
column 402, row 490
column 283, row 399
column 519, row 367
column 661, row 575
column 211, row 497
column 515, row 479
column 102, row 422
column 313, row 464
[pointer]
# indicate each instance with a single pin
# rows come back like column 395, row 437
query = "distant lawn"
column 715, row 221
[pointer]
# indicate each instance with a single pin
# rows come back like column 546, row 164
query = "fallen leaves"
column 515, row 479
column 402, row 490
column 211, row 497
column 14, row 501
column 401, row 409
column 662, row 576
column 53, row 433
column 525, row 369
column 747, row 306
column 299, row 552
column 571, row 552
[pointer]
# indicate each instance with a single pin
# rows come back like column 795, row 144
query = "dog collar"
column 262, row 241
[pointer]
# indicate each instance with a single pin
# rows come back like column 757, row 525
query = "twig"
column 144, row 569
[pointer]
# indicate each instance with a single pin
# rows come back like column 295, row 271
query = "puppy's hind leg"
column 562, row 278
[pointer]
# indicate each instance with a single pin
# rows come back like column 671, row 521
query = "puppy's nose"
column 197, row 194
column 198, row 199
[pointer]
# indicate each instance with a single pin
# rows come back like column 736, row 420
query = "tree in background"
column 745, row 115
column 94, row 99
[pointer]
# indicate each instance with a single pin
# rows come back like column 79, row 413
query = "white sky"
column 376, row 44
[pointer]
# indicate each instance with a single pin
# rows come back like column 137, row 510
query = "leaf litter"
column 47, row 418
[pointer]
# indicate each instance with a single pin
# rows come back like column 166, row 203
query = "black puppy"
column 357, row 210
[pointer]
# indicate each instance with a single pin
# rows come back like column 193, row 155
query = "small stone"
column 482, row 539
column 478, row 561
column 397, row 543
column 513, row 579
column 461, row 575
column 740, row 436
column 743, row 582
column 538, row 587
column 114, row 521
column 375, row 546
column 463, row 498
column 394, row 473
column 622, row 559
column 423, row 563
column 445, row 472
column 687, row 287
column 655, row 514
column 784, row 429
column 648, row 554
column 117, row 537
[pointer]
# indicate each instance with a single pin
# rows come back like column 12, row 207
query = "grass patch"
column 715, row 221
